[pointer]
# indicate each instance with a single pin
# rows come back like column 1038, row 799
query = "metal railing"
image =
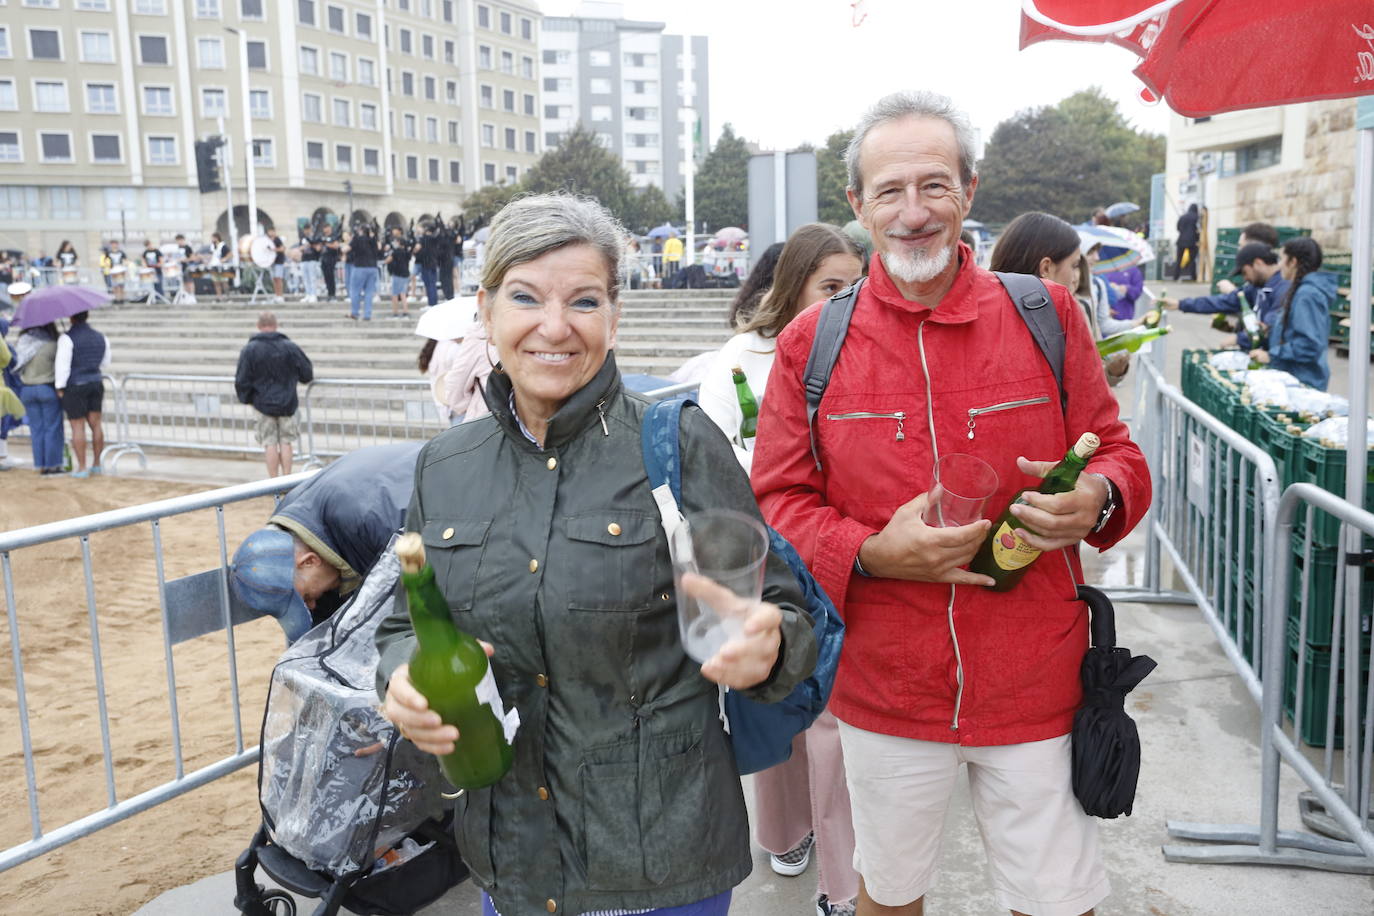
column 340, row 415
column 191, row 606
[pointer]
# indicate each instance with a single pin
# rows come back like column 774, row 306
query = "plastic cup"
column 962, row 486
column 729, row 548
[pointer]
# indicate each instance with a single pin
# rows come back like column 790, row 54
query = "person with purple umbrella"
column 35, row 360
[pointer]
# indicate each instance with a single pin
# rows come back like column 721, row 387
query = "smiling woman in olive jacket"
column 545, row 540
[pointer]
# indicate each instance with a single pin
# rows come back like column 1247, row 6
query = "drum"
column 146, row 274
column 69, row 275
column 117, row 273
column 171, row 271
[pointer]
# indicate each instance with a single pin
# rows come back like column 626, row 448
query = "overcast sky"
column 787, row 71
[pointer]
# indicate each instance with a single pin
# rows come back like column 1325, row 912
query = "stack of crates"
column 1228, row 245
column 1339, row 263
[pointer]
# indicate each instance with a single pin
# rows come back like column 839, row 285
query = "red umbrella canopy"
column 1208, row 56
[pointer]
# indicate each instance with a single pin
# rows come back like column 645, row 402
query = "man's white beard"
column 916, row 266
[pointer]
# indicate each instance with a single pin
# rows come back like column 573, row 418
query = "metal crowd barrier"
column 1337, row 810
column 340, row 415
column 191, row 606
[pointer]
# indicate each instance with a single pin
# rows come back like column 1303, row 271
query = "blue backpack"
column 761, row 733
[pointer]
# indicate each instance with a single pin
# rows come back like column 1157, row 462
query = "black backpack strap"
column 1036, row 308
column 825, row 352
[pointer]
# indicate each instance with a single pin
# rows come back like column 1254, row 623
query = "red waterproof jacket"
column 959, row 664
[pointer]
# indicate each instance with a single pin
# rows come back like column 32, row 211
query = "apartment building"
column 632, row 85
column 412, row 104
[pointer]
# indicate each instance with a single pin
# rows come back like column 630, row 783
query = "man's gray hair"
column 919, row 104
column 534, row 225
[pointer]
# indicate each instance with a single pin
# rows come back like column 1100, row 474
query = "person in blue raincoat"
column 324, row 537
column 1298, row 337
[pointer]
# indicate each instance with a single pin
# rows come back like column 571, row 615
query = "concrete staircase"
column 659, row 330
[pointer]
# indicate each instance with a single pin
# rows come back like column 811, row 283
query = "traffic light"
column 207, row 164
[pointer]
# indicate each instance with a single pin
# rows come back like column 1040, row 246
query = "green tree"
column 581, row 165
column 1066, row 159
column 832, row 178
column 722, row 183
column 650, row 207
column 485, row 202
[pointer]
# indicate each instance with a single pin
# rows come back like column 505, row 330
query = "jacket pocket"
column 474, row 834
column 454, row 548
column 896, row 415
column 677, row 820
column 611, row 560
column 610, row 826
column 975, row 412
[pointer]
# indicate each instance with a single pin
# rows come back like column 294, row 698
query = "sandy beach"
column 121, row 867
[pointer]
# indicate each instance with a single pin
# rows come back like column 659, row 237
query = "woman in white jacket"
column 804, row 801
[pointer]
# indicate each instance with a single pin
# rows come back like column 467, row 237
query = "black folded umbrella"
column 1106, row 746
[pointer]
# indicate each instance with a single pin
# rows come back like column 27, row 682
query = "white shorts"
column 1043, row 852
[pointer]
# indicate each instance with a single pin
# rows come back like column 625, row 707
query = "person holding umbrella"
column 36, row 363
column 83, row 357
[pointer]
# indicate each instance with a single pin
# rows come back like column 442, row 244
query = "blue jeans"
column 362, row 287
column 313, row 277
column 44, row 413
column 430, row 276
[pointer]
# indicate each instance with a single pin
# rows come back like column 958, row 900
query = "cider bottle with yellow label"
column 1004, row 556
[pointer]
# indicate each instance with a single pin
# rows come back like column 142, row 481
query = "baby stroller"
column 351, row 813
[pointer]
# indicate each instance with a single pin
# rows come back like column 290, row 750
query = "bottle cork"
column 1086, row 445
column 410, row 550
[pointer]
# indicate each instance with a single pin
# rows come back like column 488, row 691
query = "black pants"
column 446, row 278
column 330, row 269
column 1191, row 269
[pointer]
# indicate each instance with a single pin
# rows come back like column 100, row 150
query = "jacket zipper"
column 602, row 414
column 976, row 412
column 949, row 608
column 898, row 415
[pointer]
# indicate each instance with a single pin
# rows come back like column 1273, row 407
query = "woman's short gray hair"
column 534, row 225
column 919, row 104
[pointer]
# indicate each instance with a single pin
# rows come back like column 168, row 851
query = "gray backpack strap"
column 1036, row 308
column 825, row 352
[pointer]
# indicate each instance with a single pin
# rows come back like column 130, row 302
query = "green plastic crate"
column 1321, row 593
column 1325, row 467
column 1316, row 680
column 1272, row 432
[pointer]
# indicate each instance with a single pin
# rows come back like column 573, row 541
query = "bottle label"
column 488, row 694
column 1010, row 552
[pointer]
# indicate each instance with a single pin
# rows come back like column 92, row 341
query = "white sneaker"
column 794, row 861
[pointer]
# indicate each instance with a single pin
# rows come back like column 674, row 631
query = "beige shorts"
column 1043, row 853
column 276, row 430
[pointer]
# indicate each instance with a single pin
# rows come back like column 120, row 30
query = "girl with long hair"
column 1298, row 339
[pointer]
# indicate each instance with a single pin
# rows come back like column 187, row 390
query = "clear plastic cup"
column 960, row 492
column 730, row 549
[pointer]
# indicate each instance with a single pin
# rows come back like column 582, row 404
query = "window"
column 367, row 116
column 51, row 96
column 9, row 99
column 311, row 108
column 632, row 59
column 343, row 113
column 453, row 134
column 214, row 103
column 483, row 57
column 526, row 29
column 314, row 154
column 1260, row 155
column 505, row 23
column 171, row 204
column 106, row 148
column 93, row 6
column 451, row 91
column 336, row 19
column 599, row 58
column 413, row 168
column 432, row 130
column 512, row 173
column 9, row 152
column 447, row 7
column 305, row 12
column 362, row 25
column 455, row 171
column 510, row 138
column 530, row 141
column 97, row 48
column 162, row 150
column 433, row 169
column 407, row 83
column 310, row 61
column 260, row 104
column 529, row 104
column 508, row 63
column 487, row 97
column 448, row 52
column 372, row 161
column 55, row 147
column 489, row 135
column 120, row 202
column 343, row 157
column 599, row 86
column 484, row 16
column 406, row 42
column 207, row 9
column 408, row 126
column 19, row 203
column 527, row 67
column 558, row 111
column 210, row 53
column 552, row 139
column 427, row 46
column 263, row 153
column 367, row 72
column 644, row 141
column 338, row 67
column 403, row 5
column 44, row 44
column 152, row 49
column 148, row 7
column 157, row 100
column 605, row 140
column 489, row 172
column 642, row 114
column 601, row 112
column 431, row 88
column 251, row 9
column 4, row 41
column 508, row 99
column 257, row 55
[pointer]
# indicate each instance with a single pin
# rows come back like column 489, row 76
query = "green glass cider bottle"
column 1131, row 340
column 748, row 406
column 451, row 670
column 1004, row 556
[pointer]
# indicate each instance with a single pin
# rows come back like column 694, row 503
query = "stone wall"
column 1320, row 196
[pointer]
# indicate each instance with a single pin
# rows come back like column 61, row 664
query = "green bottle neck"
column 1064, row 475
column 429, row 614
